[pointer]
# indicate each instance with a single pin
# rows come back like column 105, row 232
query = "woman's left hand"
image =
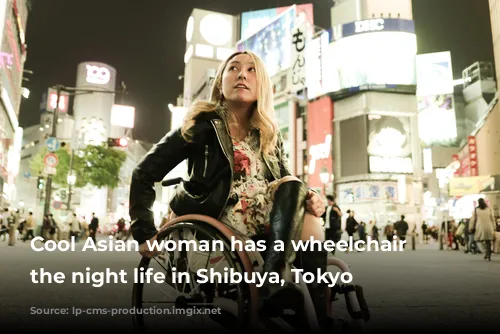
column 315, row 204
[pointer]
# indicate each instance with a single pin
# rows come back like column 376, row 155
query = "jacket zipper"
column 227, row 157
column 206, row 161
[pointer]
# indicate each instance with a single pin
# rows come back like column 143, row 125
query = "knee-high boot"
column 286, row 221
column 311, row 261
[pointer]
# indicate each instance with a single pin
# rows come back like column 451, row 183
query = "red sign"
column 468, row 159
column 458, row 171
column 471, row 144
column 319, row 141
column 52, row 101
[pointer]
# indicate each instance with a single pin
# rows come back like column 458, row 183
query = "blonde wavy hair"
column 262, row 117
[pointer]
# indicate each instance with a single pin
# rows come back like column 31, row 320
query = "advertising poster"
column 273, row 43
column 360, row 192
column 253, row 21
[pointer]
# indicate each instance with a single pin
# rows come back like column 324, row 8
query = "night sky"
column 145, row 42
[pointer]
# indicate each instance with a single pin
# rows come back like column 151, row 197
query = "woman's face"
column 239, row 80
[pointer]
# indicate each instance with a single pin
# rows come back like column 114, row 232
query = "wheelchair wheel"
column 187, row 303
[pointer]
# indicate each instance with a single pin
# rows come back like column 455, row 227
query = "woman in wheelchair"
column 237, row 174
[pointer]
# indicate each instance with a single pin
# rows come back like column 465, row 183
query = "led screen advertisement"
column 389, row 144
column 253, row 21
column 436, row 109
column 436, row 120
column 377, row 58
column 364, row 53
column 434, row 74
column 273, row 43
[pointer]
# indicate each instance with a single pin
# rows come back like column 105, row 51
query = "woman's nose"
column 242, row 75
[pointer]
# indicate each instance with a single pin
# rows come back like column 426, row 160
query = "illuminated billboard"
column 436, row 120
column 321, row 76
column 434, row 74
column 436, row 110
column 123, row 116
column 389, row 144
column 363, row 53
column 253, row 21
column 273, row 43
column 375, row 58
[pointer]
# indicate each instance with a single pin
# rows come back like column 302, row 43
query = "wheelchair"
column 223, row 305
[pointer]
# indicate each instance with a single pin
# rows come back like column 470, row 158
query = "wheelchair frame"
column 244, row 259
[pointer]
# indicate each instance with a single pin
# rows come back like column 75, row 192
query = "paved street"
column 406, row 292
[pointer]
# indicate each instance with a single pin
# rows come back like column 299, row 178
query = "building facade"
column 13, row 18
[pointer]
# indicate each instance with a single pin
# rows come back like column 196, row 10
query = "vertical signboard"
column 319, row 140
column 457, row 172
column 471, row 145
column 298, row 57
column 468, row 159
column 321, row 75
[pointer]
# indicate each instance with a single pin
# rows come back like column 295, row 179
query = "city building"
column 368, row 62
column 474, row 169
column 13, row 18
column 210, row 37
column 98, row 115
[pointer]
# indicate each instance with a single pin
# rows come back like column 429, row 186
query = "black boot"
column 286, row 221
column 311, row 261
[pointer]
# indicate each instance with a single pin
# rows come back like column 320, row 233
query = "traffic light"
column 117, row 142
column 40, row 182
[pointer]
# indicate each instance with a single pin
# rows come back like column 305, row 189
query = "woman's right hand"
column 145, row 251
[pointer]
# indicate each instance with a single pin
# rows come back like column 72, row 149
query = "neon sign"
column 98, row 75
column 318, row 152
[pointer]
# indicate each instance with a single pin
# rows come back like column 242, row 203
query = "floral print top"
column 250, row 214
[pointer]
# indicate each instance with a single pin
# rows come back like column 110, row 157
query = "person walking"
column 30, row 227
column 332, row 216
column 94, row 225
column 401, row 227
column 483, row 226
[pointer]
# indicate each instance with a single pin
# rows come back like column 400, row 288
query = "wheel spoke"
column 231, row 296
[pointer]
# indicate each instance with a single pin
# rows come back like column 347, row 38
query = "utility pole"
column 72, row 91
column 48, row 186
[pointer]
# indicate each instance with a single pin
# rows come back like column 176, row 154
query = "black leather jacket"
column 210, row 169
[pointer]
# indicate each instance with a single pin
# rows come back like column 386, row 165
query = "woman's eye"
column 252, row 69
